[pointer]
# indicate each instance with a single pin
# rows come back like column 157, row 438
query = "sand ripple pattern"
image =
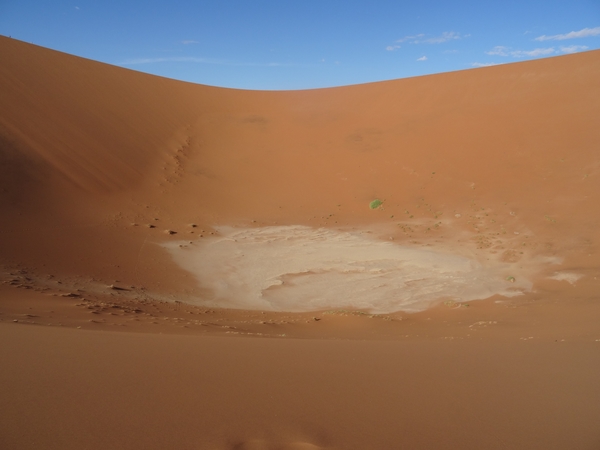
column 299, row 268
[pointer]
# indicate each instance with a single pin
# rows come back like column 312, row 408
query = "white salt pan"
column 298, row 268
column 566, row 276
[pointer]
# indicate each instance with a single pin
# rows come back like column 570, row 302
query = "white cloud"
column 410, row 38
column 445, row 37
column 422, row 39
column 192, row 59
column 422, row 58
column 532, row 53
column 500, row 50
column 586, row 32
column 573, row 48
column 391, row 48
column 133, row 62
column 477, row 64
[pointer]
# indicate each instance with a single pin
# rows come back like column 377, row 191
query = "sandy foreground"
column 184, row 266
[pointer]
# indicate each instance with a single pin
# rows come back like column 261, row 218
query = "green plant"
column 375, row 204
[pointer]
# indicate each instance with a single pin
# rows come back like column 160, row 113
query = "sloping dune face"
column 488, row 181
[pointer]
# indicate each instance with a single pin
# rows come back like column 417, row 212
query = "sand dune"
column 86, row 144
column 159, row 206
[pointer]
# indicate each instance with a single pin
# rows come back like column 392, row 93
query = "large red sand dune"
column 499, row 166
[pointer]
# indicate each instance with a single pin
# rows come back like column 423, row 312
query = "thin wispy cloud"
column 422, row 58
column 445, row 37
column 137, row 61
column 426, row 39
column 411, row 39
column 193, row 59
column 500, row 50
column 478, row 64
column 586, row 32
column 532, row 53
column 574, row 48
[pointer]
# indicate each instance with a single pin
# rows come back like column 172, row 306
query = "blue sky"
column 268, row 44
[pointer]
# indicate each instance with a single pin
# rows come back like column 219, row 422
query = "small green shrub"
column 375, row 204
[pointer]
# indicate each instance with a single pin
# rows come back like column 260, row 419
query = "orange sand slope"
column 155, row 233
column 189, row 392
column 498, row 165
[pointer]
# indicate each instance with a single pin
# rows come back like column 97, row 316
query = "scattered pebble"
column 116, row 288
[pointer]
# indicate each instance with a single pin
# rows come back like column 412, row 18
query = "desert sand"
column 403, row 264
